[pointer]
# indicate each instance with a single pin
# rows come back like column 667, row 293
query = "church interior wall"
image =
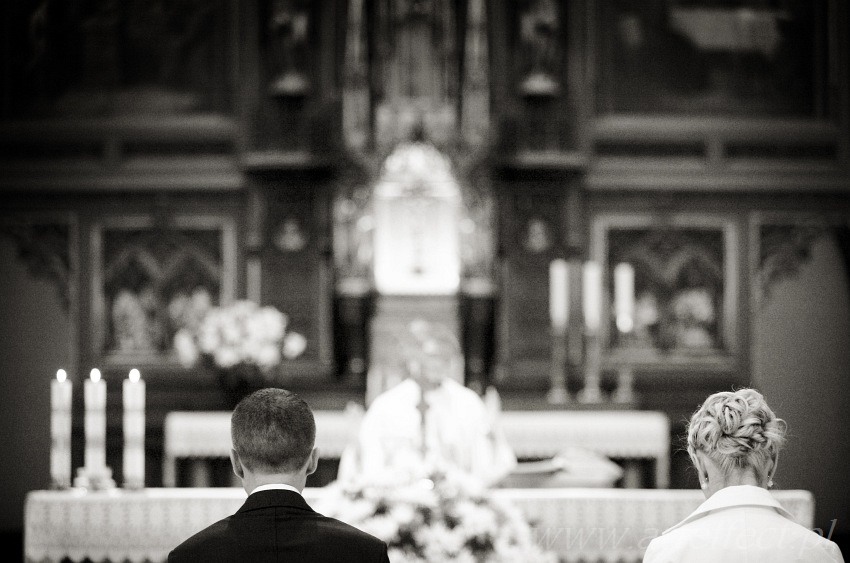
column 801, row 351
column 257, row 147
column 33, row 339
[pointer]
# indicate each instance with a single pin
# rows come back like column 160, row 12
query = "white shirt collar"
column 737, row 495
column 276, row 487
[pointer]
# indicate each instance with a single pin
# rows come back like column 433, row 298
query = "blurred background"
column 359, row 163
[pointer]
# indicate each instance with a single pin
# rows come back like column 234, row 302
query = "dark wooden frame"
column 98, row 320
column 725, row 358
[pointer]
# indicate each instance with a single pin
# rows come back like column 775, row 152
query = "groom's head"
column 273, row 432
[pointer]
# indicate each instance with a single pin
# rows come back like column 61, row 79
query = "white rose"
column 177, row 309
column 294, row 345
column 381, row 527
column 208, row 338
column 439, row 542
column 240, row 307
column 184, row 345
column 226, row 357
column 231, row 333
column 251, row 350
column 201, row 300
column 273, row 323
column 357, row 511
column 402, row 513
column 267, row 356
column 397, row 555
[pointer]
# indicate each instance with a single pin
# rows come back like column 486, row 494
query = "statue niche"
column 417, row 210
column 417, row 206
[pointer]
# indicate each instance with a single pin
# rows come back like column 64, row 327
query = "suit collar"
column 730, row 497
column 275, row 498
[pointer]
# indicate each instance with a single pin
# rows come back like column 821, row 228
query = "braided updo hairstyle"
column 737, row 430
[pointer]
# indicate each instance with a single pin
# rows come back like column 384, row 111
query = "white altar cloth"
column 579, row 524
column 531, row 434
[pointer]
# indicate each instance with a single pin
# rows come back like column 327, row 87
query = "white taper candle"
column 624, row 296
column 134, row 430
column 559, row 304
column 94, row 390
column 60, row 430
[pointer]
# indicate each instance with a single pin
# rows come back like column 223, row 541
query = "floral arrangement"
column 694, row 313
column 438, row 518
column 241, row 333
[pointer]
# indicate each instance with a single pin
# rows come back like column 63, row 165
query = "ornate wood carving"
column 45, row 248
column 784, row 248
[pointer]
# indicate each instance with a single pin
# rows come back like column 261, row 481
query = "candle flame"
column 135, row 375
column 625, row 323
column 95, row 375
column 61, row 375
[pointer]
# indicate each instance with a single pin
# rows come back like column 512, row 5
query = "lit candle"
column 60, row 430
column 134, row 430
column 95, row 423
column 592, row 296
column 624, row 296
column 558, row 293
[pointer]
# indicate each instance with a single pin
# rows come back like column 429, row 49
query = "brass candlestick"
column 591, row 393
column 558, row 394
column 94, row 479
column 625, row 372
column 625, row 385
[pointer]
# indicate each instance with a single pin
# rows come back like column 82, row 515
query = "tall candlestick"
column 134, row 430
column 624, row 296
column 559, row 304
column 592, row 296
column 60, row 430
column 558, row 394
column 592, row 390
column 95, row 423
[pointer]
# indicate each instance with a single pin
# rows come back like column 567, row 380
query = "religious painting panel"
column 707, row 58
column 685, row 286
column 150, row 281
column 293, row 273
column 108, row 58
column 531, row 235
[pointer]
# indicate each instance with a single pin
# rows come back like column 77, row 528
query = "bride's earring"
column 770, row 483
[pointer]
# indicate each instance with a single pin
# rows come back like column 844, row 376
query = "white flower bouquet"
column 241, row 333
column 440, row 518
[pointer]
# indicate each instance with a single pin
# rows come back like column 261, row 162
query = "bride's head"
column 734, row 438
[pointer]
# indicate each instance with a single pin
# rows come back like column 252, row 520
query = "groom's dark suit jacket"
column 279, row 525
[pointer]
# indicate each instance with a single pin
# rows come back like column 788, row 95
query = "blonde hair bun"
column 736, row 429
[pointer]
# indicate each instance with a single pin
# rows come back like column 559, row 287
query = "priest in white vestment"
column 428, row 422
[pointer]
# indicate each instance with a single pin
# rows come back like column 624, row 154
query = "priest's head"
column 432, row 354
column 273, row 433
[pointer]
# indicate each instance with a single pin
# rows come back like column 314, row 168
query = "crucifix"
column 422, row 407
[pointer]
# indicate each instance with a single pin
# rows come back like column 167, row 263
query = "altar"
column 610, row 525
column 630, row 436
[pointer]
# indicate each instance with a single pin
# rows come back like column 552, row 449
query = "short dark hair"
column 273, row 430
